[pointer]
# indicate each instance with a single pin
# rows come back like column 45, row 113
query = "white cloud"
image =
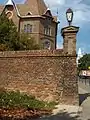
column 53, row 3
column 81, row 10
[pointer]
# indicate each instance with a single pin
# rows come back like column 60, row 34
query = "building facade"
column 34, row 18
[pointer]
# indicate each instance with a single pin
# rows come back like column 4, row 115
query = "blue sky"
column 81, row 9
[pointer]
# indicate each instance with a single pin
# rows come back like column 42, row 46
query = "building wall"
column 35, row 27
column 37, row 21
column 51, row 38
column 50, row 75
column 38, row 30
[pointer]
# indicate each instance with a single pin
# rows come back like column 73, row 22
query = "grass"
column 16, row 99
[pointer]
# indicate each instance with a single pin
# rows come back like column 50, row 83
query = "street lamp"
column 69, row 16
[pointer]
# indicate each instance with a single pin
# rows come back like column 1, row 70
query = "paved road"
column 84, row 91
column 84, row 85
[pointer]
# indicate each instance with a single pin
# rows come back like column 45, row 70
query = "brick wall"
column 48, row 75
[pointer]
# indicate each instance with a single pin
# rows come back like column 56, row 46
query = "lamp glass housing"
column 69, row 15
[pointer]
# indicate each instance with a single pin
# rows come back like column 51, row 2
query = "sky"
column 81, row 9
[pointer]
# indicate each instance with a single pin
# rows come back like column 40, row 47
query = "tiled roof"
column 36, row 7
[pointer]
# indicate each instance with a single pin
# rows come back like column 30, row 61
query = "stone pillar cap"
column 69, row 29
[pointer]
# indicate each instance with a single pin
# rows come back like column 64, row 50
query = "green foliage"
column 20, row 100
column 8, row 33
column 28, row 43
column 84, row 62
column 51, row 105
column 10, row 38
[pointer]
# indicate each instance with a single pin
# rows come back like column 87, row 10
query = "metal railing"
column 84, row 79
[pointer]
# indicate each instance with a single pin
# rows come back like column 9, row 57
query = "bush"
column 20, row 100
column 11, row 40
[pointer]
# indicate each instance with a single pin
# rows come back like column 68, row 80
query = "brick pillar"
column 70, row 81
column 69, row 36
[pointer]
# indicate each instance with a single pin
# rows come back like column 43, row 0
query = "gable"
column 10, row 12
column 48, row 13
column 36, row 7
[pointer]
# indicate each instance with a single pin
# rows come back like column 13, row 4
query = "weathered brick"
column 44, row 74
column 49, row 75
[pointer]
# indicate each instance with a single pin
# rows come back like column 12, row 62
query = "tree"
column 84, row 62
column 8, row 33
column 27, row 42
column 10, row 38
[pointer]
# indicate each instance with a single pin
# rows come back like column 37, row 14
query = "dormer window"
column 48, row 13
column 29, row 13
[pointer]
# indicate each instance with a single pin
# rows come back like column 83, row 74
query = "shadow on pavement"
column 60, row 116
column 83, row 97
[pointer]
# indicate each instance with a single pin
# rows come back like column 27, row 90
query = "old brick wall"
column 50, row 75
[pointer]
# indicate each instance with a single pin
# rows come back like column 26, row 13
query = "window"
column 46, row 45
column 25, row 28
column 47, row 31
column 28, row 28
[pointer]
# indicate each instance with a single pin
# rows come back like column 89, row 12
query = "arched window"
column 47, row 44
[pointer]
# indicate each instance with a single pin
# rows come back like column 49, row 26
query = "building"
column 84, row 73
column 33, row 17
column 79, row 55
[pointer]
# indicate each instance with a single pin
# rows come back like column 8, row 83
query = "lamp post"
column 69, row 16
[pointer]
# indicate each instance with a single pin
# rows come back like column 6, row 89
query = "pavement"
column 63, row 112
column 81, row 112
column 70, row 109
column 68, row 112
column 85, row 115
column 84, row 92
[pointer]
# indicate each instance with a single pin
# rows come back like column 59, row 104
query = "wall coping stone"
column 35, row 53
